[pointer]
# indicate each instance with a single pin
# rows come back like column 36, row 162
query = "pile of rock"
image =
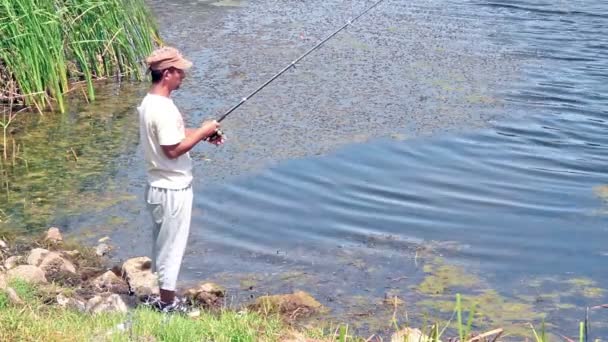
column 109, row 290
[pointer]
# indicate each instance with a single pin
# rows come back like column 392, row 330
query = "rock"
column 411, row 335
column 298, row 303
column 13, row 297
column 50, row 261
column 208, row 295
column 102, row 249
column 3, row 244
column 2, row 281
column 299, row 337
column 71, row 303
column 104, row 239
column 53, row 235
column 111, row 282
column 27, row 273
column 73, row 253
column 36, row 256
column 139, row 276
column 109, row 303
column 13, row 261
column 54, row 261
column 194, row 313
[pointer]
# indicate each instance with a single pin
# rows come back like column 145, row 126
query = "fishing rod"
column 291, row 65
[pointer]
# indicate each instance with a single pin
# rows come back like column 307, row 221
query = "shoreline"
column 49, row 274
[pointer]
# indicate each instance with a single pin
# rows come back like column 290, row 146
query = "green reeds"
column 47, row 45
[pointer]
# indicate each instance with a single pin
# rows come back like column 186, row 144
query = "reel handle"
column 217, row 135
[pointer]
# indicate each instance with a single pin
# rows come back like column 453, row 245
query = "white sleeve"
column 170, row 126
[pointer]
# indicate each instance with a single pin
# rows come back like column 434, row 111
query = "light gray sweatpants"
column 171, row 212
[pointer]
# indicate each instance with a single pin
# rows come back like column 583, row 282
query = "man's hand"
column 210, row 127
column 217, row 139
column 193, row 136
column 213, row 135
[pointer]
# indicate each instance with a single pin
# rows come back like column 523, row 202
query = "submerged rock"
column 298, row 303
column 411, row 335
column 106, row 303
column 138, row 274
column 27, row 273
column 53, row 235
column 209, row 295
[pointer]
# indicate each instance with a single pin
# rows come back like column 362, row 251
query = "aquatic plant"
column 48, row 47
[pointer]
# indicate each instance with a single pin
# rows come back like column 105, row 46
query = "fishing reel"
column 218, row 135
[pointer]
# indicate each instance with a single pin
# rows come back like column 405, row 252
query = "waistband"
column 167, row 189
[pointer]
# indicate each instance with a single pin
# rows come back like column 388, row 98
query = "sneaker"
column 179, row 305
column 150, row 301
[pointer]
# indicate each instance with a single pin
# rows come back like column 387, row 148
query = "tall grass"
column 47, row 45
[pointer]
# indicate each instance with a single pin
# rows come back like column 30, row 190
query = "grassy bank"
column 35, row 320
column 48, row 45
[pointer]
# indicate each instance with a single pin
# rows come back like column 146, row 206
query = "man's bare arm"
column 193, row 137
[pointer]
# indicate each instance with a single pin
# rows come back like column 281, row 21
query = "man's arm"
column 193, row 136
column 190, row 131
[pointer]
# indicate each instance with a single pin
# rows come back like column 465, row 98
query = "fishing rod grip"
column 215, row 136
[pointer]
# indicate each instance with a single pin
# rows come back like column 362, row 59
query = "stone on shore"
column 71, row 303
column 106, row 303
column 208, row 295
column 298, row 303
column 53, row 235
column 138, row 274
column 12, row 261
column 28, row 273
column 110, row 282
column 3, row 244
column 411, row 335
column 13, row 297
column 3, row 282
column 36, row 256
column 50, row 261
column 102, row 249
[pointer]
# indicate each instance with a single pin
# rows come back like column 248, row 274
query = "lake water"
column 434, row 148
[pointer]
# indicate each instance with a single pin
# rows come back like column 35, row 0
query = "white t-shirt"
column 161, row 123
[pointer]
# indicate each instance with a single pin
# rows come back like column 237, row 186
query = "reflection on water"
column 474, row 131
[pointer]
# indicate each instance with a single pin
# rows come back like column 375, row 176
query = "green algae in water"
column 492, row 310
column 585, row 287
column 54, row 181
column 601, row 191
column 443, row 281
column 442, row 278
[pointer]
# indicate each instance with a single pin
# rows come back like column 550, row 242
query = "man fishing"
column 166, row 144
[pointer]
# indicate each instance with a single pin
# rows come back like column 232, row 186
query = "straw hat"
column 167, row 57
